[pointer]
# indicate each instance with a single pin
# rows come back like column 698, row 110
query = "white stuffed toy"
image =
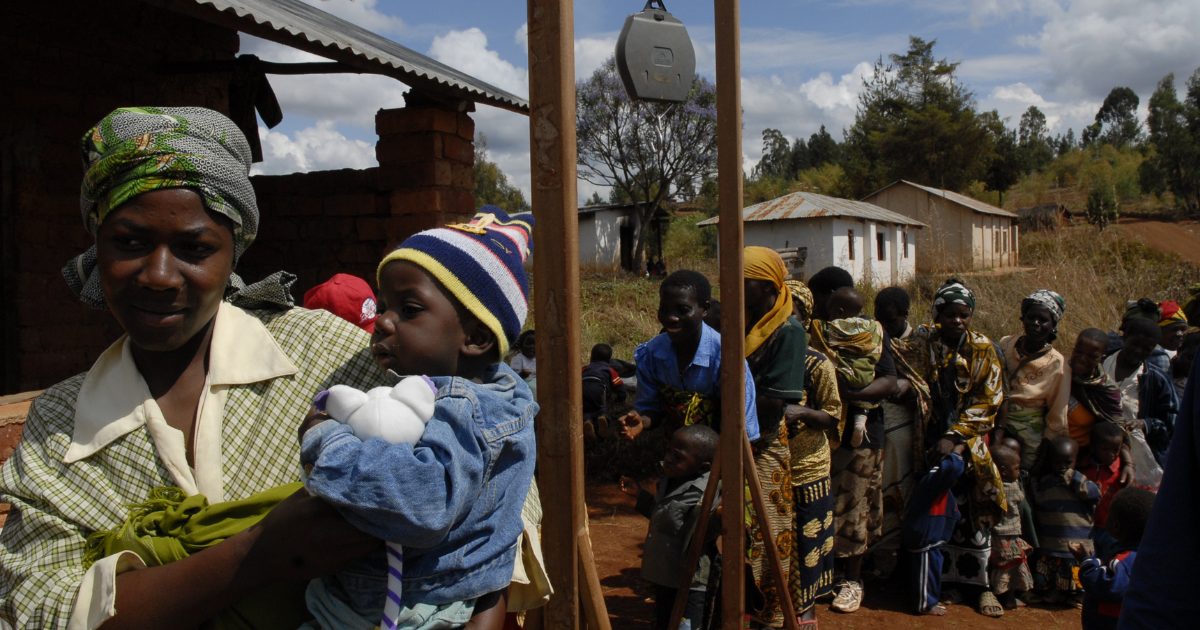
column 395, row 414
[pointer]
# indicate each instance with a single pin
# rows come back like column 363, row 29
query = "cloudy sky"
column 802, row 63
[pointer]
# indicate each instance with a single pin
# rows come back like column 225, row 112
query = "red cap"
column 346, row 296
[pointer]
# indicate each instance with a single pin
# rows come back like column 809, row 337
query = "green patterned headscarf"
column 135, row 150
column 953, row 291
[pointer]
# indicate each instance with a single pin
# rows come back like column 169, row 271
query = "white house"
column 606, row 235
column 875, row 245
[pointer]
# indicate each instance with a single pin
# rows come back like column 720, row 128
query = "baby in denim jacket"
column 453, row 300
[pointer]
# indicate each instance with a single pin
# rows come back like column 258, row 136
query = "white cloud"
column 467, row 51
column 1091, row 46
column 799, row 109
column 317, row 148
column 1012, row 100
column 591, row 53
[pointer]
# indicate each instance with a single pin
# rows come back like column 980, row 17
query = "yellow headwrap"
column 764, row 263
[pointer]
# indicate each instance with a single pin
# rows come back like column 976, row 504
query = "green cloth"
column 777, row 372
column 170, row 526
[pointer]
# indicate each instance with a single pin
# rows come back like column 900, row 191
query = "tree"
column 1101, row 202
column 776, row 158
column 1116, row 120
column 491, row 184
column 644, row 151
column 1033, row 138
column 1006, row 164
column 915, row 121
column 822, row 149
column 1063, row 144
column 1174, row 162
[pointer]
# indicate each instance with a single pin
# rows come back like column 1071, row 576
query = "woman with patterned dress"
column 810, row 427
column 962, row 373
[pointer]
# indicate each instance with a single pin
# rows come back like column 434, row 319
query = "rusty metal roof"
column 298, row 25
column 807, row 205
column 949, row 195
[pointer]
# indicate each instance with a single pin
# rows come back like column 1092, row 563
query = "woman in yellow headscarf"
column 776, row 345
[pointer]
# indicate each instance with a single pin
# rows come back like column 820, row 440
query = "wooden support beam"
column 729, row 190
column 552, row 154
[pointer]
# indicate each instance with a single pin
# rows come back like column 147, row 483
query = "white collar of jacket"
column 113, row 396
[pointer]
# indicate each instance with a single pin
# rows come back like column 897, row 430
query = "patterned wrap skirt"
column 812, row 555
column 773, row 465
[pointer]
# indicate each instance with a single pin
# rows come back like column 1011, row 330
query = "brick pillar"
column 426, row 156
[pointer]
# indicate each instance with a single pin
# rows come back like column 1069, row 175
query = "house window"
column 880, row 247
column 904, row 236
column 850, row 239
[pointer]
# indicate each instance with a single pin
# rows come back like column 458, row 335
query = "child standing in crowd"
column 1101, row 464
column 674, row 510
column 1063, row 502
column 1105, row 582
column 524, row 362
column 453, row 500
column 1039, row 384
column 1009, row 564
column 1094, row 395
column 1148, row 400
column 678, row 371
column 929, row 523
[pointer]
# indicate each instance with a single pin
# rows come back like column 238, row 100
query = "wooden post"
column 552, row 156
column 729, row 187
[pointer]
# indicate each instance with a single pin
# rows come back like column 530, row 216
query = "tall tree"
column 491, row 184
column 1174, row 163
column 646, row 152
column 917, row 121
column 822, row 148
column 1006, row 163
column 776, row 158
column 1116, row 120
column 1033, row 139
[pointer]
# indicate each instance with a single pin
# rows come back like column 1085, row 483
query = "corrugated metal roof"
column 807, row 205
column 302, row 26
column 963, row 200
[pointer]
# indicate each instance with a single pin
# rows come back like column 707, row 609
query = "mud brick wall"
column 66, row 65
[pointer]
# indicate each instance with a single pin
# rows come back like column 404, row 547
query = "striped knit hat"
column 481, row 263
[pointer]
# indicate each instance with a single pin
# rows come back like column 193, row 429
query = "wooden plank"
column 591, row 594
column 775, row 562
column 729, row 189
column 552, row 154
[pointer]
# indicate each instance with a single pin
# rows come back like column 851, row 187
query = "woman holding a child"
column 191, row 415
column 961, row 371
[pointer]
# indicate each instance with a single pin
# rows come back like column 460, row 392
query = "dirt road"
column 617, row 532
column 1180, row 237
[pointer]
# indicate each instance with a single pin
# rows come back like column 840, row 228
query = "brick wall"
column 66, row 65
column 321, row 223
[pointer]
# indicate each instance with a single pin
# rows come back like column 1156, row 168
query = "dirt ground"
column 617, row 532
column 1179, row 237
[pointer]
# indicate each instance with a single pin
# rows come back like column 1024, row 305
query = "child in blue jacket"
column 928, row 523
column 454, row 299
column 1105, row 583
